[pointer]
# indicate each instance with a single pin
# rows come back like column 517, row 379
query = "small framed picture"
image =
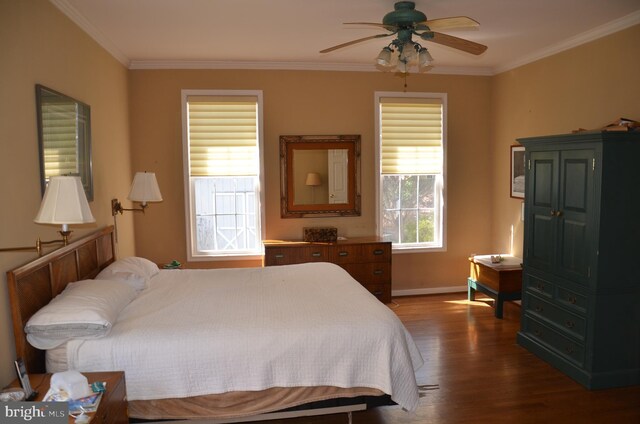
column 517, row 172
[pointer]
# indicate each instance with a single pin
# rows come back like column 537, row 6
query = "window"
column 411, row 130
column 222, row 136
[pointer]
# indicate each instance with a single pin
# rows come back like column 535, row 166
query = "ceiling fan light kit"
column 405, row 22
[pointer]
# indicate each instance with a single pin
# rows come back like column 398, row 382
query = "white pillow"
column 84, row 310
column 135, row 271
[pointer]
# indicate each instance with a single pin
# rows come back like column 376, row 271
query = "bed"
column 226, row 343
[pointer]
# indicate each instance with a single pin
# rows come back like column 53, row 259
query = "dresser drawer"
column 354, row 253
column 298, row 255
column 554, row 340
column 370, row 273
column 381, row 291
column 572, row 324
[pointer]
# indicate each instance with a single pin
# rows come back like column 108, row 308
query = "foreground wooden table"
column 502, row 281
column 113, row 405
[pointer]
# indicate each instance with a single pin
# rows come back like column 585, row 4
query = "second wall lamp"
column 143, row 189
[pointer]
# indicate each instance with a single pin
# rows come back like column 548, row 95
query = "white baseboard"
column 435, row 290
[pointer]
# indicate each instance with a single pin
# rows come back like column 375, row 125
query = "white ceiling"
column 288, row 34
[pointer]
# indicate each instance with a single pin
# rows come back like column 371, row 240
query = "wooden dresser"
column 367, row 259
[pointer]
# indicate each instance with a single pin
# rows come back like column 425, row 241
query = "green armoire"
column 581, row 273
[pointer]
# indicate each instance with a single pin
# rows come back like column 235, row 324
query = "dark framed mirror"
column 64, row 137
column 319, row 176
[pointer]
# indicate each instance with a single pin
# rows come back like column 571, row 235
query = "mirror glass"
column 320, row 176
column 64, row 137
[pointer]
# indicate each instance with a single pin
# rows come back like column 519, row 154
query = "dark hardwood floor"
column 484, row 376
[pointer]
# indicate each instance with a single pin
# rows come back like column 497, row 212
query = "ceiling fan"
column 405, row 22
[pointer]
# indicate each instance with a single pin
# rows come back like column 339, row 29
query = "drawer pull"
column 316, row 254
column 538, row 308
column 279, row 255
column 378, row 272
column 569, row 349
column 572, row 299
column 343, row 253
column 377, row 293
column 538, row 333
column 570, row 324
column 378, row 252
column 540, row 287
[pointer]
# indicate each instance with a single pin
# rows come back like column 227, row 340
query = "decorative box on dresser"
column 581, row 291
column 366, row 259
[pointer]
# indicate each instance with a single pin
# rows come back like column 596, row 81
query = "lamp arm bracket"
column 116, row 208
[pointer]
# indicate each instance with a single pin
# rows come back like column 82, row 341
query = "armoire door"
column 575, row 206
column 542, row 199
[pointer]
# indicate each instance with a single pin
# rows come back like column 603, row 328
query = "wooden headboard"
column 33, row 285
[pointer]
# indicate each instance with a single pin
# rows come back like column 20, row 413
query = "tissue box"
column 326, row 234
column 72, row 382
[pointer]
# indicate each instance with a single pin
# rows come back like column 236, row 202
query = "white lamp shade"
column 313, row 179
column 64, row 202
column 145, row 188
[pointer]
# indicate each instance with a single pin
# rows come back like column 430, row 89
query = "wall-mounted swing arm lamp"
column 143, row 189
column 64, row 203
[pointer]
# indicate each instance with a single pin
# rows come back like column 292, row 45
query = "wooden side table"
column 113, row 407
column 501, row 281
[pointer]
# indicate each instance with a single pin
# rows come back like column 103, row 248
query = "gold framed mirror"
column 64, row 138
column 319, row 176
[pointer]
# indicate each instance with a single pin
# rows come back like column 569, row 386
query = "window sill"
column 417, row 249
column 227, row 257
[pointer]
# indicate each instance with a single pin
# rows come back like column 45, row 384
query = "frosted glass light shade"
column 145, row 188
column 64, row 202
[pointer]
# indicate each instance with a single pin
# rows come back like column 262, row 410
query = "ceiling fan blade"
column 359, row 40
column 379, row 25
column 455, row 42
column 455, row 22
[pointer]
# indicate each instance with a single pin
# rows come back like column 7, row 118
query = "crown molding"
column 583, row 38
column 292, row 66
column 92, row 31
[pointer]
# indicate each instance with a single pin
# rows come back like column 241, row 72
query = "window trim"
column 378, row 95
column 189, row 204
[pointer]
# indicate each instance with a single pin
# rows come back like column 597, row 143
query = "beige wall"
column 313, row 103
column 585, row 87
column 38, row 44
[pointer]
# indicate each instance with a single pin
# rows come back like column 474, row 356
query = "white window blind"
column 223, row 136
column 59, row 138
column 411, row 136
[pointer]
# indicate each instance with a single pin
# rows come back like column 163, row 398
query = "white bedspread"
column 195, row 332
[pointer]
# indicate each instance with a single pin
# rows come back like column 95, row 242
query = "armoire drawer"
column 538, row 285
column 554, row 340
column 574, row 325
column 572, row 300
